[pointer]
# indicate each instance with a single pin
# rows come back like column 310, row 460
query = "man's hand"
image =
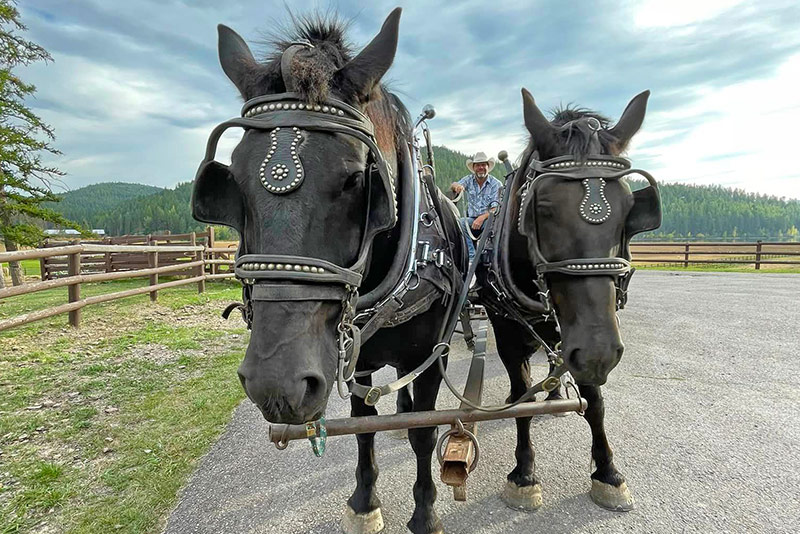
column 478, row 222
column 456, row 187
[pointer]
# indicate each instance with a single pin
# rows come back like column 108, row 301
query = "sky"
column 136, row 87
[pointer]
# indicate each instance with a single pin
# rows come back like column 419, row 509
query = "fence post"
column 74, row 290
column 758, row 254
column 201, row 269
column 210, row 244
column 152, row 261
column 686, row 255
column 107, row 256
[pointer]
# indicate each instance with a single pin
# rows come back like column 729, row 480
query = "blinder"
column 216, row 198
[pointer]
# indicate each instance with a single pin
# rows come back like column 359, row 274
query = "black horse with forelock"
column 558, row 272
column 321, row 191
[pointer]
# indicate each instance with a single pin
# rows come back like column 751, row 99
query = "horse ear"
column 631, row 120
column 366, row 69
column 234, row 56
column 537, row 124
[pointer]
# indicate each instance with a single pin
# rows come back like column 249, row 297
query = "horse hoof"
column 616, row 499
column 399, row 434
column 527, row 498
column 369, row 523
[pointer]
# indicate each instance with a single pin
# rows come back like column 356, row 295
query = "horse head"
column 308, row 188
column 578, row 214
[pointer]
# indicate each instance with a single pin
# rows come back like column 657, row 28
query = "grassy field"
column 101, row 426
column 29, row 268
column 671, row 255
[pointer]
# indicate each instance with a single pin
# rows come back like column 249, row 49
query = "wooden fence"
column 757, row 253
column 53, row 267
column 198, row 262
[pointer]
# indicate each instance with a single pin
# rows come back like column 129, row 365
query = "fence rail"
column 144, row 261
column 201, row 263
column 756, row 253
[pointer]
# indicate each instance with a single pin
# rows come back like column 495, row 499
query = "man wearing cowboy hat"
column 482, row 190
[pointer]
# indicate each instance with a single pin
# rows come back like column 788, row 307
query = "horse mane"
column 314, row 74
column 573, row 141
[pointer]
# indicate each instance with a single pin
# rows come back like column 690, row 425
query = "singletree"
column 25, row 182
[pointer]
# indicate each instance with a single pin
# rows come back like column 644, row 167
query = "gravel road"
column 703, row 414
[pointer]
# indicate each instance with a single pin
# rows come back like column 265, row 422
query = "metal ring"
column 414, row 276
column 579, row 411
column 446, row 345
column 282, row 443
column 426, row 220
column 593, row 123
column 455, row 432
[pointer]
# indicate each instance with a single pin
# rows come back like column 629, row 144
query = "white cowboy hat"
column 480, row 157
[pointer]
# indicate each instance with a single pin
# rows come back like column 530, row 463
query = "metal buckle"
column 373, row 396
column 550, row 383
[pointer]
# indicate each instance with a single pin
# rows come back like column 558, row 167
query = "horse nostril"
column 574, row 360
column 314, row 389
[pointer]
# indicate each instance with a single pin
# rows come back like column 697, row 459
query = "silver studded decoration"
column 594, row 205
column 282, row 171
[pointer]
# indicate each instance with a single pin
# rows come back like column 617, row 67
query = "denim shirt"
column 479, row 198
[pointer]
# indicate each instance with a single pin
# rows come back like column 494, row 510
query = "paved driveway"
column 703, row 414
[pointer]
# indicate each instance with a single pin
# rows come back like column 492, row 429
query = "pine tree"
column 25, row 182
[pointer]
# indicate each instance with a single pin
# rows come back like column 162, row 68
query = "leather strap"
column 294, row 292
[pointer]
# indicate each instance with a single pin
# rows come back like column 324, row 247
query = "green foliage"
column 169, row 209
column 689, row 210
column 716, row 212
column 87, row 204
column 25, row 182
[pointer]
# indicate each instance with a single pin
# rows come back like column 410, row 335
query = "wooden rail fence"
column 198, row 262
column 757, row 253
column 107, row 262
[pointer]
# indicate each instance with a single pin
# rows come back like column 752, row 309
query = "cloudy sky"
column 136, row 86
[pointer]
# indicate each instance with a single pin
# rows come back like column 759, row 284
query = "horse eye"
column 545, row 211
column 353, row 180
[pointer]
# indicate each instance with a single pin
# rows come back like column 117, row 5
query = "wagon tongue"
column 317, row 434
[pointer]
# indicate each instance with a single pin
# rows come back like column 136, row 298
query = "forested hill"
column 690, row 211
column 87, row 204
column 169, row 209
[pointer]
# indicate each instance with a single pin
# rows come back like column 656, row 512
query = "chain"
column 349, row 343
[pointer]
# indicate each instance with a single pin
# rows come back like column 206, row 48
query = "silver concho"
column 282, row 171
column 594, row 206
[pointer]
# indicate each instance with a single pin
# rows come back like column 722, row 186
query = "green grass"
column 719, row 268
column 29, row 267
column 101, row 426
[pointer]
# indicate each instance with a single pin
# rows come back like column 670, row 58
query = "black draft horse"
column 584, row 305
column 315, row 207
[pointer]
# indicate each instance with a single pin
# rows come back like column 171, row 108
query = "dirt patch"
column 153, row 352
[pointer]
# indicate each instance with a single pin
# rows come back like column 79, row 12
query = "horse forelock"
column 313, row 72
column 573, row 140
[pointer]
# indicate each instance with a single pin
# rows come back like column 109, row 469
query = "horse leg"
column 423, row 440
column 609, row 489
column 404, row 405
column 522, row 490
column 363, row 513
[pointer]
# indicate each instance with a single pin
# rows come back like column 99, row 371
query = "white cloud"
column 660, row 13
column 743, row 135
